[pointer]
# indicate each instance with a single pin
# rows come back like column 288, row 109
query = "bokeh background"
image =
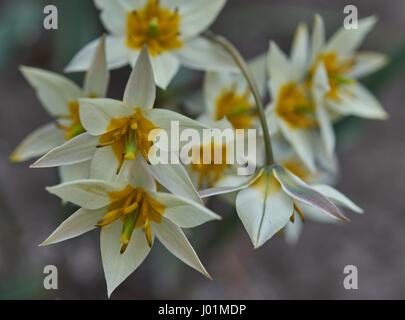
column 372, row 159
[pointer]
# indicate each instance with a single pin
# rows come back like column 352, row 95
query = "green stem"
column 230, row 48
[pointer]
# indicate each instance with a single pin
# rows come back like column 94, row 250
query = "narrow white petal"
column 174, row 239
column 89, row 194
column 264, row 209
column 139, row 175
column 346, row 41
column 201, row 54
column 104, row 165
column 96, row 114
column 76, row 150
column 140, row 90
column 38, row 142
column 318, row 37
column 116, row 52
column 198, row 15
column 54, row 91
column 165, row 67
column 337, row 197
column 366, row 63
column 279, row 69
column 184, row 212
column 97, row 77
column 77, row 224
column 74, row 172
column 299, row 52
column 117, row 267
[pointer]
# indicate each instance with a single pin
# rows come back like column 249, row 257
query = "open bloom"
column 227, row 95
column 60, row 97
column 130, row 213
column 120, row 131
column 342, row 65
column 170, row 30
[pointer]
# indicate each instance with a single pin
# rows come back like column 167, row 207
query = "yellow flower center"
column 127, row 136
column 155, row 27
column 294, row 107
column 237, row 108
column 336, row 72
column 210, row 173
column 136, row 209
column 75, row 127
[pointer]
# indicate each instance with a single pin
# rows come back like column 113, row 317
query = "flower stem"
column 237, row 57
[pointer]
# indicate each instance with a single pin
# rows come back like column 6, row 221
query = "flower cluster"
column 103, row 147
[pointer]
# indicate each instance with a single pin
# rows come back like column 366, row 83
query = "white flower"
column 169, row 28
column 60, row 96
column 119, row 131
column 228, row 95
column 342, row 65
column 130, row 213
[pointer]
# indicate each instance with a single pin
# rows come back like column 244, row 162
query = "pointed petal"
column 279, row 68
column 96, row 114
column 198, row 15
column 116, row 53
column 346, row 41
column 174, row 239
column 299, row 190
column 175, row 179
column 76, row 150
column 77, row 224
column 337, row 197
column 97, row 77
column 292, row 231
column 104, row 165
column 74, row 172
column 300, row 50
column 54, row 91
column 264, row 209
column 139, row 175
column 89, row 194
column 38, row 142
column 165, row 67
column 140, row 90
column 113, row 15
column 184, row 212
column 318, row 37
column 367, row 63
column 202, row 54
column 117, row 267
column 357, row 100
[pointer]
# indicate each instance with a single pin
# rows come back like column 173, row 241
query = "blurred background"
column 371, row 153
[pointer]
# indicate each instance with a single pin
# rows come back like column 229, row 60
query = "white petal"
column 367, row 63
column 346, row 41
column 300, row 140
column 318, row 37
column 89, row 194
column 258, row 68
column 116, row 51
column 184, row 212
column 140, row 90
column 76, row 150
column 77, row 224
column 74, row 172
column 264, row 209
column 337, row 197
column 96, row 114
column 38, row 142
column 319, row 89
column 54, row 91
column 139, row 175
column 113, row 15
column 174, row 239
column 215, row 84
column 97, row 77
column 279, row 69
column 175, row 179
column 293, row 230
column 198, row 15
column 104, row 165
column 165, row 67
column 202, row 54
column 358, row 101
column 131, row 5
column 117, row 267
column 299, row 52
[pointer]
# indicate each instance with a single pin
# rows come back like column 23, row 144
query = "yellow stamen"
column 75, row 127
column 153, row 26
